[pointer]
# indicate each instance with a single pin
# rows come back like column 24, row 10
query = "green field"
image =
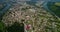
column 57, row 4
column 55, row 7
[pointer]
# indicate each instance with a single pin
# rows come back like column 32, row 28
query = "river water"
column 5, row 8
column 8, row 5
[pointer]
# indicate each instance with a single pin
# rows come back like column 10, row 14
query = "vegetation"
column 41, row 20
column 53, row 25
column 2, row 27
column 16, row 27
column 57, row 4
column 54, row 7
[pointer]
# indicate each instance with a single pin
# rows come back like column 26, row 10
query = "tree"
column 16, row 27
column 2, row 27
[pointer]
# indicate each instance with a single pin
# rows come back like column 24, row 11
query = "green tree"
column 2, row 27
column 16, row 27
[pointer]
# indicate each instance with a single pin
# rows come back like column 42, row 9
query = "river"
column 4, row 10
